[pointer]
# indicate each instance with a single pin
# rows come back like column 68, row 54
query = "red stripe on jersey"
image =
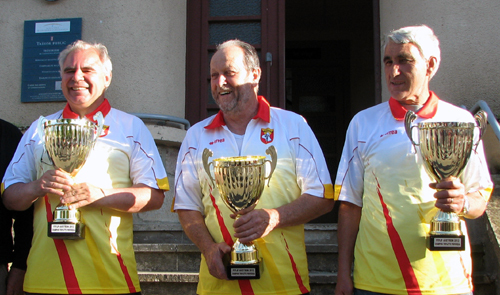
column 67, row 267
column 245, row 286
column 225, row 232
column 302, row 288
column 123, row 267
column 125, row 273
column 397, row 245
column 48, row 209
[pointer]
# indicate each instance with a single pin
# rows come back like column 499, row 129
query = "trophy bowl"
column 241, row 181
column 445, row 148
column 68, row 143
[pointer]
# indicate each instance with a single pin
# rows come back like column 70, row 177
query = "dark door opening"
column 330, row 69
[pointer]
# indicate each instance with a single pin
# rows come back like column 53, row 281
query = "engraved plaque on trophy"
column 445, row 148
column 68, row 143
column 241, row 181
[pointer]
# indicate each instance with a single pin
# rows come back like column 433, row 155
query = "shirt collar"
column 104, row 108
column 263, row 113
column 427, row 111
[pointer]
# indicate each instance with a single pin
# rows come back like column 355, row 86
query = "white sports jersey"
column 381, row 171
column 301, row 169
column 103, row 262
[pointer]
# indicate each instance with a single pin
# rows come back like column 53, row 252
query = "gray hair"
column 251, row 58
column 421, row 36
column 82, row 45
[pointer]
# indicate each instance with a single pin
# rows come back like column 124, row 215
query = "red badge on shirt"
column 266, row 135
column 105, row 131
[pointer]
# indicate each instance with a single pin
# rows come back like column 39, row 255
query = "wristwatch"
column 466, row 207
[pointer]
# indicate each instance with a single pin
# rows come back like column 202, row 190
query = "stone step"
column 168, row 262
column 165, row 283
column 187, row 257
column 169, row 249
column 172, row 233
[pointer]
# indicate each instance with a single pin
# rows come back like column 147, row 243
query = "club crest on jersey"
column 267, row 135
column 105, row 131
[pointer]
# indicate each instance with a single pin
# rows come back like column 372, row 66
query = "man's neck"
column 237, row 121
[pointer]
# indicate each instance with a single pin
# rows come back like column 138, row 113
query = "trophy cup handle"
column 207, row 154
column 409, row 118
column 41, row 128
column 274, row 160
column 482, row 122
column 99, row 118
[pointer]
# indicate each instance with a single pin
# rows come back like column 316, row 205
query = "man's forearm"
column 19, row 196
column 477, row 205
column 348, row 226
column 194, row 226
column 140, row 198
column 302, row 210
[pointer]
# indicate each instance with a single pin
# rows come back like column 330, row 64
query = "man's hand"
column 15, row 282
column 450, row 195
column 253, row 224
column 194, row 226
column 53, row 182
column 20, row 196
column 213, row 256
column 344, row 286
column 82, row 194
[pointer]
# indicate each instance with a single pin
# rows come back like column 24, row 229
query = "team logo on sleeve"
column 266, row 135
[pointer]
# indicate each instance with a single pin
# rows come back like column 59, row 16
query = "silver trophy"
column 68, row 143
column 241, row 181
column 445, row 148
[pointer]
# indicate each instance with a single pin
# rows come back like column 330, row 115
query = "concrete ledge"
column 323, row 277
column 168, row 277
column 172, row 232
column 165, row 248
column 173, row 248
column 167, row 135
column 492, row 220
column 175, row 226
column 322, row 248
column 192, row 277
column 493, row 208
column 159, row 226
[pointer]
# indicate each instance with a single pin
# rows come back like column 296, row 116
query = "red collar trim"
column 427, row 111
column 264, row 113
column 104, row 108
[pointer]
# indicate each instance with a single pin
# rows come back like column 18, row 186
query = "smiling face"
column 407, row 73
column 232, row 84
column 84, row 81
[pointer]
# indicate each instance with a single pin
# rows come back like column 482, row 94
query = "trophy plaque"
column 445, row 148
column 241, row 181
column 68, row 143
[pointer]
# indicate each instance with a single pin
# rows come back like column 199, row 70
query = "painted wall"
column 146, row 41
column 468, row 32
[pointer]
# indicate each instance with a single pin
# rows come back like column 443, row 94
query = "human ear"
column 431, row 66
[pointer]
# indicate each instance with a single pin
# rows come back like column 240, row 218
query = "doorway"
column 330, row 69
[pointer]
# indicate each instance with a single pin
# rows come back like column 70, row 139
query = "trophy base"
column 66, row 230
column 243, row 272
column 446, row 243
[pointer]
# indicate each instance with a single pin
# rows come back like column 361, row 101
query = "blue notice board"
column 43, row 41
